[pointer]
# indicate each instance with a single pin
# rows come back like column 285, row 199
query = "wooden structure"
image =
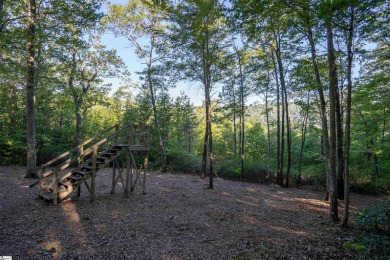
column 58, row 180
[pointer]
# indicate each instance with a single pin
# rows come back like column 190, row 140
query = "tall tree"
column 137, row 21
column 197, row 36
column 30, row 90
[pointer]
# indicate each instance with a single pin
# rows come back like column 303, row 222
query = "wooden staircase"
column 58, row 180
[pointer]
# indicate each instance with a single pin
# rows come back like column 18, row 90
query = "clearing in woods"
column 179, row 218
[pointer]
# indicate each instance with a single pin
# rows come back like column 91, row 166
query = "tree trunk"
column 79, row 126
column 234, row 123
column 211, row 184
column 340, row 143
column 160, row 139
column 30, row 85
column 279, row 157
column 242, row 110
column 333, row 81
column 303, row 139
column 12, row 111
column 348, row 117
column 267, row 120
column 324, row 117
column 284, row 112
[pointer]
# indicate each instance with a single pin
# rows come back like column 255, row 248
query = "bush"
column 12, row 151
column 375, row 240
column 180, row 161
column 254, row 170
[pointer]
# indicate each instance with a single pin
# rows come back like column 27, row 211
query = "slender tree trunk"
column 267, row 120
column 156, row 122
column 303, row 138
column 12, row 111
column 234, row 123
column 348, row 117
column 285, row 110
column 211, row 179
column 79, row 125
column 340, row 143
column 324, row 116
column 30, row 85
column 242, row 101
column 333, row 82
column 279, row 156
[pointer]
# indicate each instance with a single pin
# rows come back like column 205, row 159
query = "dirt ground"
column 179, row 218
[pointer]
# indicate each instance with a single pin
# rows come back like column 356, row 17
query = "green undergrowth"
column 374, row 241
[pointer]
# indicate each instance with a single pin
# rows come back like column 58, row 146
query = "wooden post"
column 80, row 157
column 127, row 191
column 130, row 163
column 95, row 148
column 113, row 177
column 55, row 186
column 116, row 136
column 79, row 191
column 41, row 182
column 144, row 179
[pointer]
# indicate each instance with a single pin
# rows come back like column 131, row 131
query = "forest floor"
column 179, row 218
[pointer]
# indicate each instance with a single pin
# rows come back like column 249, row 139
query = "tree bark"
column 333, row 82
column 279, row 156
column 348, row 116
column 242, row 110
column 160, row 139
column 303, row 139
column 267, row 120
column 211, row 173
column 30, row 86
column 340, row 143
column 12, row 111
column 324, row 116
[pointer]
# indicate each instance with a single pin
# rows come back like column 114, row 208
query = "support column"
column 93, row 173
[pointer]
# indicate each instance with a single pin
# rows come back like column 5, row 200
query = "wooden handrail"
column 64, row 165
column 76, row 148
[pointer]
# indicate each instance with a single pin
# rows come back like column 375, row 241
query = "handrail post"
column 55, row 186
column 130, row 162
column 95, row 148
column 116, row 131
column 80, row 157
column 41, row 182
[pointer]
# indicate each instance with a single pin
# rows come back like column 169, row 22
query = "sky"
column 134, row 64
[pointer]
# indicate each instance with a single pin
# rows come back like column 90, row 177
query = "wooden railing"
column 88, row 149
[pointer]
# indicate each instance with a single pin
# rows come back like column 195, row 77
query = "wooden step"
column 80, row 173
column 75, row 178
column 66, row 184
column 87, row 168
column 122, row 145
column 107, row 154
column 101, row 159
column 44, row 195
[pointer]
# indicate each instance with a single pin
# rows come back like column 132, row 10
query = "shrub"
column 12, row 151
column 180, row 161
column 254, row 170
column 375, row 240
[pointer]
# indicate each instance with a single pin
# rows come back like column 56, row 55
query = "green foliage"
column 181, row 161
column 257, row 171
column 12, row 151
column 375, row 239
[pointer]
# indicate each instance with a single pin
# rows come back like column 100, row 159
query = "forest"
column 294, row 93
